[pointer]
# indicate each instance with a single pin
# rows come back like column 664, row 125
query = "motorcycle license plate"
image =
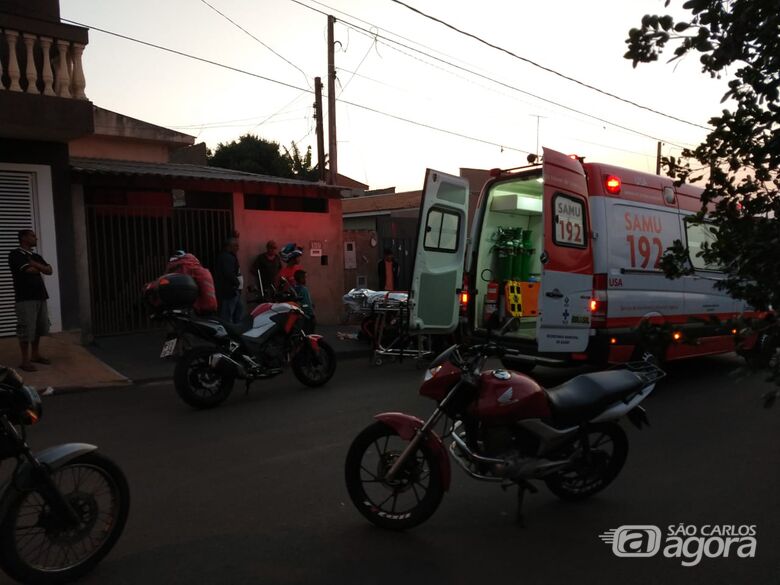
column 169, row 347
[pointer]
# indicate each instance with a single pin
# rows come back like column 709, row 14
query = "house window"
column 442, row 229
column 295, row 204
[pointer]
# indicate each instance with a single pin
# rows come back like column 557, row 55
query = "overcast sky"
column 582, row 40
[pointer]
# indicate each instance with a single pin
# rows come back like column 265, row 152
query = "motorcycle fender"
column 53, row 457
column 314, row 342
column 406, row 426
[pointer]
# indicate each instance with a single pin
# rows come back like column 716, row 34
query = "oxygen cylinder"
column 526, row 257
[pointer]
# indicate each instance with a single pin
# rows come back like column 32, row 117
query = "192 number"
column 645, row 246
column 570, row 232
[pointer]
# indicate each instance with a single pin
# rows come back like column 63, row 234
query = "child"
column 305, row 299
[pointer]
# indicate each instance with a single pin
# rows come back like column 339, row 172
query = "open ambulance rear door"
column 441, row 248
column 567, row 259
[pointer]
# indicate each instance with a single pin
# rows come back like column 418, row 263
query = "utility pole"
column 320, row 137
column 658, row 159
column 332, row 148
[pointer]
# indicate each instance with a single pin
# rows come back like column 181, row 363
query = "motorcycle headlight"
column 431, row 373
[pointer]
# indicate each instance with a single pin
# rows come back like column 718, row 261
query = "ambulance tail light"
column 598, row 301
column 464, row 294
column 612, row 184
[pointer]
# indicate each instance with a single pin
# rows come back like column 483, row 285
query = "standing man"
column 228, row 282
column 268, row 265
column 32, row 315
column 389, row 272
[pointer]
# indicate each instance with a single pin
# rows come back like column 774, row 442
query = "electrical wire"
column 481, row 75
column 234, row 23
column 291, row 86
column 548, row 69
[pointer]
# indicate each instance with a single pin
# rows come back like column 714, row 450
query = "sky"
column 500, row 105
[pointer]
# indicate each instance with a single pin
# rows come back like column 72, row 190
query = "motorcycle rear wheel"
column 418, row 484
column 608, row 447
column 314, row 369
column 36, row 548
column 197, row 383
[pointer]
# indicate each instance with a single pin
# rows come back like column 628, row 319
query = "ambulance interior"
column 508, row 259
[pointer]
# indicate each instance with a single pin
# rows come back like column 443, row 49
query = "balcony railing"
column 41, row 65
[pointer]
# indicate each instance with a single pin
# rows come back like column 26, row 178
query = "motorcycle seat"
column 585, row 396
column 237, row 329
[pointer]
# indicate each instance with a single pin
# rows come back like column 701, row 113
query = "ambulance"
column 565, row 256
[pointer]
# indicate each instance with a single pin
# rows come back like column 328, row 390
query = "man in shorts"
column 32, row 316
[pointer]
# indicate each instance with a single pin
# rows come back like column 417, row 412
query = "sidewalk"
column 122, row 360
column 72, row 366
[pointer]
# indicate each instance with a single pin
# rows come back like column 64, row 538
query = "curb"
column 364, row 353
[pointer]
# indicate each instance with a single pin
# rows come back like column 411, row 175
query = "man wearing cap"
column 32, row 316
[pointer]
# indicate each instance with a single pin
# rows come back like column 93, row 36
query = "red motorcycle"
column 504, row 427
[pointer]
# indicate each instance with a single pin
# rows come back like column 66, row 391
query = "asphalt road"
column 253, row 491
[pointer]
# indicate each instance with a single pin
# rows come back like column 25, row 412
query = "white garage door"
column 16, row 202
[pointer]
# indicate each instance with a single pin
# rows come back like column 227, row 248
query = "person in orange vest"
column 389, row 272
column 291, row 255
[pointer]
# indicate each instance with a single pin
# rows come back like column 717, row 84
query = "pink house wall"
column 326, row 283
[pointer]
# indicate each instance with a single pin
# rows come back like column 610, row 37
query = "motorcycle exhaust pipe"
column 226, row 365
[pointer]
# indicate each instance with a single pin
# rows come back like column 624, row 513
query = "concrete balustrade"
column 42, row 65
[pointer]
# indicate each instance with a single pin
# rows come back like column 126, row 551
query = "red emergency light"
column 612, row 184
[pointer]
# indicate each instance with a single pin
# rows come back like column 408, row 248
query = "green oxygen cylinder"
column 527, row 256
column 517, row 261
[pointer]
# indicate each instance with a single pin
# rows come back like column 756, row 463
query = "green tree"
column 301, row 164
column 738, row 39
column 253, row 154
column 742, row 152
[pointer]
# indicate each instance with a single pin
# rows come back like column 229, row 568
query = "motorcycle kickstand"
column 522, row 487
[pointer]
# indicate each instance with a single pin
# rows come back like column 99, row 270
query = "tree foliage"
column 253, row 154
column 738, row 40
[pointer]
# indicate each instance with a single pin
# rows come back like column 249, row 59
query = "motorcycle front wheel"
column 410, row 498
column 197, row 383
column 314, row 368
column 596, row 469
column 36, row 546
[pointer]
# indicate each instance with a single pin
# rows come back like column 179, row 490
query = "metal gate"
column 130, row 246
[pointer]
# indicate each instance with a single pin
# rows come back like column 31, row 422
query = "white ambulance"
column 568, row 253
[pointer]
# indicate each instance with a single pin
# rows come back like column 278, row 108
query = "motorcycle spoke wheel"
column 38, row 546
column 591, row 473
column 314, row 369
column 403, row 502
column 197, row 383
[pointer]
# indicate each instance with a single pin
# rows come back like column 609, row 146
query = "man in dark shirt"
column 388, row 271
column 268, row 266
column 32, row 316
column 228, row 283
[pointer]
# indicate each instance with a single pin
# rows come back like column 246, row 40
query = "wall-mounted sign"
column 315, row 248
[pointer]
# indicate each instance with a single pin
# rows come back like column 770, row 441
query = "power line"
column 234, row 23
column 507, row 85
column 291, row 86
column 374, row 35
column 548, row 69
